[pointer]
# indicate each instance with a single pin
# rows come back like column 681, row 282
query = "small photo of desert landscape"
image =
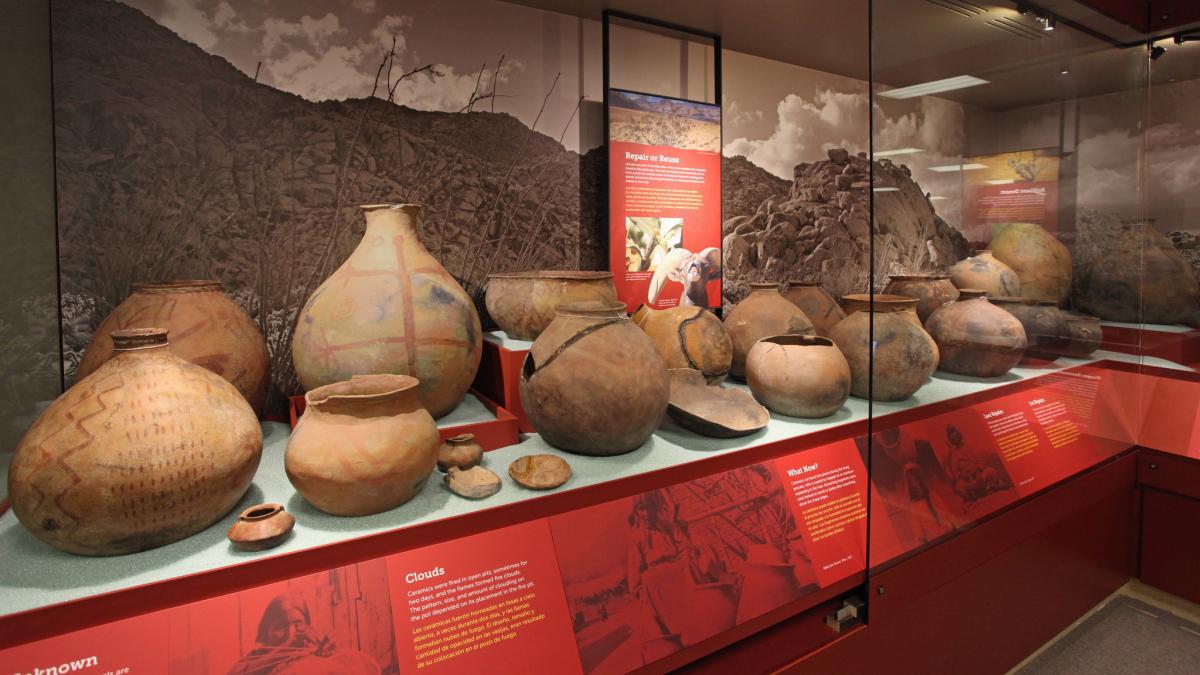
column 656, row 120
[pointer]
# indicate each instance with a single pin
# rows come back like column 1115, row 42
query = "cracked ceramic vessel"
column 689, row 337
column 362, row 446
column 974, row 337
column 1041, row 262
column 391, row 308
column 1046, row 331
column 905, row 355
column 593, row 383
column 984, row 272
column 820, row 307
column 206, row 328
column 523, row 303
column 145, row 451
column 932, row 291
column 798, row 375
column 762, row 313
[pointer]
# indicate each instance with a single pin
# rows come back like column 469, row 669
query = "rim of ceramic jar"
column 392, row 206
column 972, row 294
column 461, row 439
column 764, row 286
column 592, row 308
column 132, row 339
column 793, row 340
column 1013, row 300
column 177, row 286
column 572, row 275
column 886, row 302
column 260, row 512
column 361, row 388
column 806, row 283
column 918, row 277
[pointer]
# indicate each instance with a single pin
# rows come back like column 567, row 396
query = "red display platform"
column 1175, row 346
column 499, row 376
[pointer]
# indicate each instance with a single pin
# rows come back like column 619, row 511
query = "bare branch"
column 496, row 82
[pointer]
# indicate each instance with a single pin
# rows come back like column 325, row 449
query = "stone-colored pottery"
column 984, row 272
column 688, row 337
column 798, row 375
column 905, row 355
column 461, row 451
column 205, row 326
column 362, row 446
column 974, row 337
column 712, row 410
column 1046, row 331
column 391, row 308
column 539, row 472
column 524, row 303
column 932, row 291
column 820, row 307
column 475, row 482
column 762, row 313
column 593, row 383
column 261, row 527
column 1041, row 262
column 145, row 451
column 1086, row 335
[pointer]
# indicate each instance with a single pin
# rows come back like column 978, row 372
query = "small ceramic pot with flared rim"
column 261, row 527
column 459, row 451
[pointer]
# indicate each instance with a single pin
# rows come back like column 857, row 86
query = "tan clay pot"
column 974, row 337
column 798, row 375
column 593, row 383
column 391, row 308
column 1041, row 262
column 1086, row 335
column 905, row 355
column 205, row 326
column 523, row 303
column 903, row 304
column 261, row 527
column 932, row 291
column 762, row 313
column 820, row 307
column 147, row 450
column 689, row 337
column 461, row 451
column 1046, row 331
column 362, row 446
column 984, row 272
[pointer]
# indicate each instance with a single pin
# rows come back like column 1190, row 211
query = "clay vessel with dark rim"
column 984, row 272
column 974, row 337
column 932, row 291
column 261, row 527
column 523, row 303
column 820, row 307
column 688, row 337
column 798, row 375
column 762, row 313
column 905, row 355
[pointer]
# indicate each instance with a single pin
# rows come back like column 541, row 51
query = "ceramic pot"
column 798, row 375
column 688, row 337
column 205, row 327
column 145, row 451
column 1143, row 278
column 905, row 305
column 974, row 337
column 362, row 446
column 932, row 291
column 1046, row 331
column 820, row 307
column 261, row 527
column 1041, row 262
column 713, row 410
column 905, row 355
column 593, row 383
column 762, row 313
column 391, row 308
column 1086, row 335
column 984, row 272
column 523, row 303
column 461, row 451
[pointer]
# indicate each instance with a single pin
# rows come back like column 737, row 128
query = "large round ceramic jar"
column 932, row 291
column 820, row 307
column 688, row 337
column 145, row 451
column 523, row 303
column 1046, row 331
column 1143, row 279
column 762, row 313
column 1041, row 262
column 798, row 375
column 905, row 355
column 974, row 337
column 593, row 383
column 984, row 272
column 391, row 308
column 362, row 446
column 206, row 328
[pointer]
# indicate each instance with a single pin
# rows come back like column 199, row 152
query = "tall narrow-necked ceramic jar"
column 391, row 308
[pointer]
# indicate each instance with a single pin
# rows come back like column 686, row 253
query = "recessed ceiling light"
column 899, row 151
column 886, row 189
column 936, row 198
column 934, row 87
column 945, row 168
column 1001, row 181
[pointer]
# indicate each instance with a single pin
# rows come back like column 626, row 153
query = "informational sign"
column 664, row 200
column 1011, row 187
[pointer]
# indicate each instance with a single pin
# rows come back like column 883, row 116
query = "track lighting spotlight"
column 1156, row 52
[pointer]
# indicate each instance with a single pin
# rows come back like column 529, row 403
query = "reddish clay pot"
column 1046, row 329
column 1041, row 262
column 205, row 327
column 974, row 337
column 362, row 446
column 593, row 383
column 1086, row 335
column 820, row 307
column 762, row 313
column 688, row 337
column 459, row 451
column 798, row 375
column 984, row 272
column 905, row 355
column 932, row 291
column 905, row 305
column 261, row 527
column 524, row 303
column 147, row 450
column 391, row 308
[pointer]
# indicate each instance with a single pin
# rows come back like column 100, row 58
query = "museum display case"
column 588, row 338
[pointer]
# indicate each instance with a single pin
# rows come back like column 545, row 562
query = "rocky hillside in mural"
column 817, row 228
column 174, row 164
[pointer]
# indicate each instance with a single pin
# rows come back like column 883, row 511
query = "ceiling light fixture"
column 898, row 151
column 946, row 168
column 1047, row 22
column 1065, row 71
column 1156, row 52
column 886, row 189
column 937, row 198
column 934, row 87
